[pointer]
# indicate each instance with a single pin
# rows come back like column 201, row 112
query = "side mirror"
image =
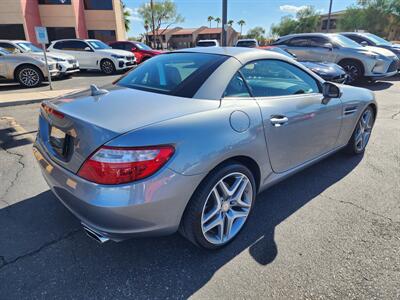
column 328, row 46
column 87, row 49
column 329, row 91
column 364, row 43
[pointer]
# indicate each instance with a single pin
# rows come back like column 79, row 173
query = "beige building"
column 100, row 19
column 178, row 37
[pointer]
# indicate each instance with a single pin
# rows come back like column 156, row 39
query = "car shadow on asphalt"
column 53, row 254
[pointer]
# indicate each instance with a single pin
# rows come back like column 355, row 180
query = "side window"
column 72, row 45
column 117, row 46
column 268, row 78
column 10, row 47
column 317, row 41
column 298, row 42
column 237, row 87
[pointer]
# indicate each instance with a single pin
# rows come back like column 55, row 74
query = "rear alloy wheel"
column 220, row 207
column 107, row 67
column 29, row 76
column 353, row 70
column 362, row 132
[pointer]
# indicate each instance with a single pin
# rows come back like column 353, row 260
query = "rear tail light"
column 116, row 165
column 52, row 111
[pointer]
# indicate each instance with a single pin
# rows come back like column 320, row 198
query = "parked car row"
column 68, row 56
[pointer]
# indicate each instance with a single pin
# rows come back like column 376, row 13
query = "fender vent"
column 350, row 110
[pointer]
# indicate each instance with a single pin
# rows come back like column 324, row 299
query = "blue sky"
column 254, row 12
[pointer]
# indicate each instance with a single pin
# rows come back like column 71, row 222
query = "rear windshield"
column 206, row 44
column 179, row 74
column 246, row 44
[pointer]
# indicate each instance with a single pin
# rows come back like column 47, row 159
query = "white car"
column 207, row 43
column 248, row 43
column 66, row 64
column 95, row 55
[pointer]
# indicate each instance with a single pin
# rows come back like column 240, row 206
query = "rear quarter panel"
column 204, row 140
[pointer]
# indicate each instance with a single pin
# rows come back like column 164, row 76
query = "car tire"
column 107, row 66
column 29, row 76
column 361, row 134
column 204, row 210
column 353, row 69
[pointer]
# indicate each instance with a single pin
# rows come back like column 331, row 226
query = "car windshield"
column 377, row 40
column 4, row 52
column 98, row 45
column 246, row 44
column 29, row 47
column 206, row 44
column 142, row 46
column 344, row 41
column 179, row 74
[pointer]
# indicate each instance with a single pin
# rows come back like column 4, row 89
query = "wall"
column 10, row 12
column 57, row 15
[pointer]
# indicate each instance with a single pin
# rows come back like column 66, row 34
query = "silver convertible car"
column 187, row 139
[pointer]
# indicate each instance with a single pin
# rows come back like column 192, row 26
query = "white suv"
column 66, row 64
column 95, row 55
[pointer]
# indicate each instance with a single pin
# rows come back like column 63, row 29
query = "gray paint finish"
column 202, row 133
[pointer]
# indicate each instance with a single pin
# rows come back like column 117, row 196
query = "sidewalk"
column 31, row 97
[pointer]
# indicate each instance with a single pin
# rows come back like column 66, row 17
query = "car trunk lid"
column 74, row 126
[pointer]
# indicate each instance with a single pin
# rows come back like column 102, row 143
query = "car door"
column 80, row 50
column 319, row 50
column 298, row 125
column 297, row 46
column 3, row 66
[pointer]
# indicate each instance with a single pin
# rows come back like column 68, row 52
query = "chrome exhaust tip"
column 94, row 235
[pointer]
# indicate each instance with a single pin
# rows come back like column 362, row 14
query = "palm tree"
column 241, row 23
column 210, row 19
column 127, row 17
column 146, row 27
column 218, row 20
column 230, row 22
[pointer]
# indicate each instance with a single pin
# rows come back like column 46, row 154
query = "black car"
column 369, row 39
column 327, row 71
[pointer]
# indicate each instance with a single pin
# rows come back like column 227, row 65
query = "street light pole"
column 224, row 21
column 328, row 25
column 152, row 23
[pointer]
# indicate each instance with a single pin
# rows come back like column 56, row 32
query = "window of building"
column 102, row 35
column 62, row 2
column 59, row 33
column 12, row 32
column 98, row 5
column 332, row 25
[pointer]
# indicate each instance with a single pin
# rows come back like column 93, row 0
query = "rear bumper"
column 153, row 206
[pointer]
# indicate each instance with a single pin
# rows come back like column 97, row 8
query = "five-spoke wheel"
column 362, row 132
column 220, row 206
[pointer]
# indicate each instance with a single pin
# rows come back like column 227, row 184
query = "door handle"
column 278, row 121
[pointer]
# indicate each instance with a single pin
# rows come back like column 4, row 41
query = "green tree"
column 165, row 14
column 210, row 19
column 241, row 23
column 230, row 22
column 376, row 16
column 127, row 17
column 257, row 33
column 306, row 20
column 218, row 20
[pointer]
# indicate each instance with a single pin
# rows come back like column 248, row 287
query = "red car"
column 142, row 51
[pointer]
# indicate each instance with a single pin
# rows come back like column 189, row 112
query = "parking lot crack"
column 4, row 262
column 395, row 115
column 360, row 207
column 17, row 174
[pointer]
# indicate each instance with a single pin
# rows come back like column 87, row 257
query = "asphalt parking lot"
column 331, row 231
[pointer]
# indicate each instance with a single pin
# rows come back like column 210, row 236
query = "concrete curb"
column 21, row 102
column 29, row 98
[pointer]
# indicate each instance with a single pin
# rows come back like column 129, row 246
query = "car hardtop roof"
column 285, row 37
column 82, row 40
column 246, row 40
column 243, row 55
column 15, row 41
column 209, row 40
